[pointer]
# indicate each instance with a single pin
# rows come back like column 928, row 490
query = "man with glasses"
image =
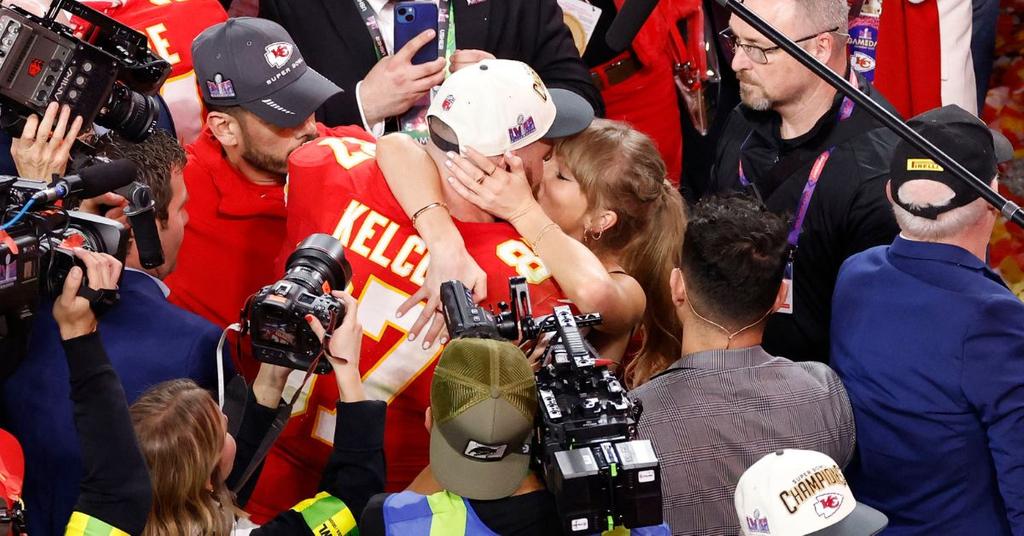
column 804, row 150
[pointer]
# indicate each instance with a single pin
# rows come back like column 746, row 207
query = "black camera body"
column 275, row 316
column 600, row 475
column 35, row 252
column 107, row 77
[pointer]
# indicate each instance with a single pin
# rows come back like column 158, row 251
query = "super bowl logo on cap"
column 277, row 54
column 757, row 524
column 220, row 88
column 827, row 504
column 524, row 127
column 446, row 104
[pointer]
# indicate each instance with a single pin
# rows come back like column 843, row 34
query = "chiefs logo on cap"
column 827, row 504
column 277, row 54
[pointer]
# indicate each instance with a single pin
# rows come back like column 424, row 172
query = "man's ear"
column 678, row 287
column 888, row 191
column 428, row 420
column 225, row 128
column 780, row 296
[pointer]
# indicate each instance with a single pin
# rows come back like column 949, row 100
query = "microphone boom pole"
column 1009, row 209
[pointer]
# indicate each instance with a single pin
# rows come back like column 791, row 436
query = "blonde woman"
column 191, row 456
column 605, row 223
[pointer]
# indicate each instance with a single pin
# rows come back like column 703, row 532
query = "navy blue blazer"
column 930, row 345
column 149, row 340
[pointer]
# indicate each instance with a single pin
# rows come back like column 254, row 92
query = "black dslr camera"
column 36, row 235
column 107, row 76
column 275, row 316
column 600, row 475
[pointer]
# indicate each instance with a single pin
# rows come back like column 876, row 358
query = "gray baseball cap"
column 253, row 63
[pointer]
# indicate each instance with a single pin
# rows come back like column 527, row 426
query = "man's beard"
column 268, row 162
column 754, row 96
column 265, row 161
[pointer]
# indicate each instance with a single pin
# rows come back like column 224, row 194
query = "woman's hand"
column 73, row 313
column 40, row 153
column 504, row 193
column 343, row 348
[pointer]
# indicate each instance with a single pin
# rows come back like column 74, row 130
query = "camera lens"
column 319, row 259
column 131, row 114
column 408, row 18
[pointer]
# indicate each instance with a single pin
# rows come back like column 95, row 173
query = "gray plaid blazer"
column 713, row 414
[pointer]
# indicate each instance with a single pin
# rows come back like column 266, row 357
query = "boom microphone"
column 627, row 23
column 90, row 182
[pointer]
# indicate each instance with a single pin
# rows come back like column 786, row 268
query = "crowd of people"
column 809, row 333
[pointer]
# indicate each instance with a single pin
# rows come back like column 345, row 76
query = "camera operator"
column 149, row 340
column 483, row 407
column 193, row 459
column 115, row 492
column 183, row 437
column 727, row 402
column 483, row 399
column 260, row 97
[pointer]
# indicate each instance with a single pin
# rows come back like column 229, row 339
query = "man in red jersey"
column 260, row 97
column 336, row 186
column 171, row 26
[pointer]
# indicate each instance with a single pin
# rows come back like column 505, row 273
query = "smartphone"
column 412, row 19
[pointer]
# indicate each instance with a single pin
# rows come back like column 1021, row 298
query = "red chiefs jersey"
column 335, row 186
column 170, row 26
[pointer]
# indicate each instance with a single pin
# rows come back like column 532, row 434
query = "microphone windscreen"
column 107, row 177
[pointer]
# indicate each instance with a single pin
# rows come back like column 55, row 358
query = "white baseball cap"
column 801, row 492
column 502, row 105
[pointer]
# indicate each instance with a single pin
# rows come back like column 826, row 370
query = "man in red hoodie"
column 260, row 98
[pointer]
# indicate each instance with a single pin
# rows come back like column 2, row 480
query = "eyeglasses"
column 755, row 53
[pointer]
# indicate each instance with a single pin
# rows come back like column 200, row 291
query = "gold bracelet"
column 540, row 235
column 426, row 208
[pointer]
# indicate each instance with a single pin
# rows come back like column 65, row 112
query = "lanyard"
column 445, row 28
column 845, row 111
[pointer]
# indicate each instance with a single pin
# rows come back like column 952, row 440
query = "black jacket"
column 334, row 41
column 848, row 212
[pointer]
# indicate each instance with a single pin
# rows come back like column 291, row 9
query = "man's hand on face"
column 395, row 84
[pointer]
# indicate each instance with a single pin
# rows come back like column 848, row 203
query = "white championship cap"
column 801, row 492
column 502, row 105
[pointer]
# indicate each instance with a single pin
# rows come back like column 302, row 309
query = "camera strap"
column 100, row 300
column 284, row 412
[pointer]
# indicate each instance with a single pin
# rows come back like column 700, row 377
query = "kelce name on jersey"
column 372, row 240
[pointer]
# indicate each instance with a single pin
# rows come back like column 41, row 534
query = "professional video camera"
column 107, row 76
column 36, row 236
column 600, row 474
column 275, row 316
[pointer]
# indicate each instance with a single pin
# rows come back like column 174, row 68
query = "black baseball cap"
column 963, row 137
column 253, row 63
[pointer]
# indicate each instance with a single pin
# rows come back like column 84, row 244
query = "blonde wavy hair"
column 181, row 434
column 620, row 169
